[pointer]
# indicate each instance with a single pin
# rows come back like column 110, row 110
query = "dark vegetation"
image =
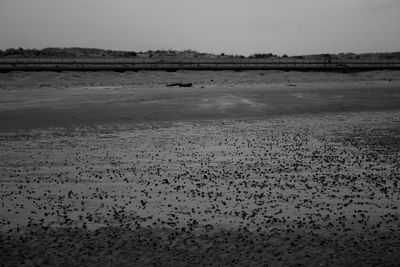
column 76, row 52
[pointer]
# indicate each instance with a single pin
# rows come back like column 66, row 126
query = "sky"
column 292, row 27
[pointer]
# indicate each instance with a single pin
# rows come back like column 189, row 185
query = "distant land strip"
column 172, row 64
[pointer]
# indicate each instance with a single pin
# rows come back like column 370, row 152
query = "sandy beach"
column 253, row 168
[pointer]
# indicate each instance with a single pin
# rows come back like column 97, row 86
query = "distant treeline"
column 76, row 52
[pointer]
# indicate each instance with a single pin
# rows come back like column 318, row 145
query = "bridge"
column 172, row 64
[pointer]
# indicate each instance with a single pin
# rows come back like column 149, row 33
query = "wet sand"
column 37, row 100
column 271, row 168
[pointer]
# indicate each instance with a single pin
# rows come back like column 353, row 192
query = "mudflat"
column 30, row 100
column 243, row 168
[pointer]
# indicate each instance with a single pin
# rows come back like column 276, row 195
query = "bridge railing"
column 198, row 62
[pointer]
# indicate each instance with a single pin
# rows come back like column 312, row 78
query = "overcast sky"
column 229, row 26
